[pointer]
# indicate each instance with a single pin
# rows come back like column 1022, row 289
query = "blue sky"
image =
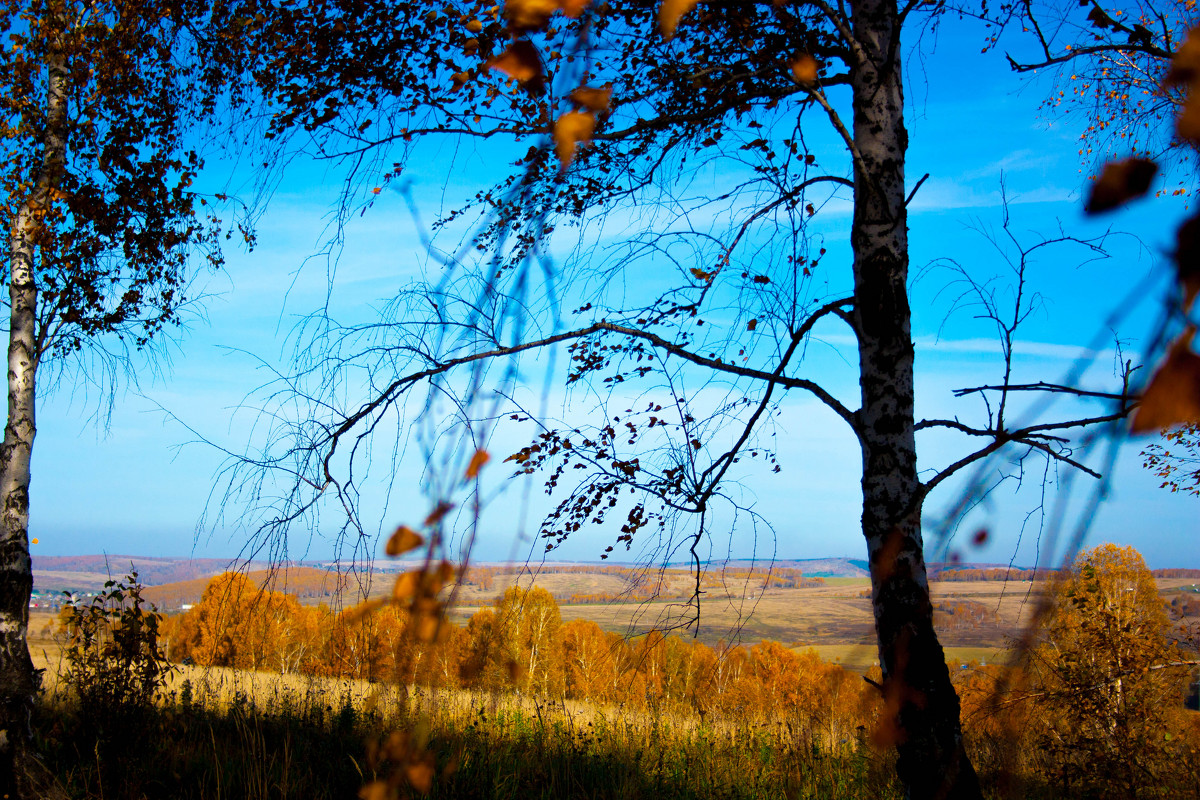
column 137, row 482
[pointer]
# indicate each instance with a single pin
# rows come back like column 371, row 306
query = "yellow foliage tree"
column 1108, row 677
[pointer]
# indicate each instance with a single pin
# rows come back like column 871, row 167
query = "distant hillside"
column 88, row 573
column 811, row 567
column 300, row 581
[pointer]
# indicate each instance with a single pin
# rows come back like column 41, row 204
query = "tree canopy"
column 702, row 150
column 102, row 232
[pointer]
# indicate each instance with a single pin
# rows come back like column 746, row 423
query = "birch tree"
column 100, row 230
column 1110, row 677
column 717, row 133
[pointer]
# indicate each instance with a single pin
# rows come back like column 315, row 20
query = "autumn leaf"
column 1120, row 182
column 1099, row 18
column 529, row 15
column 1185, row 67
column 570, row 129
column 403, row 540
column 480, row 458
column 752, row 324
column 573, row 8
column 1187, row 125
column 440, row 510
column 591, row 98
column 804, row 69
column 475, row 26
column 520, row 61
column 426, row 620
column 1173, row 395
column 406, row 585
column 420, row 774
column 669, row 14
column 361, row 610
column 375, row 790
column 1187, row 259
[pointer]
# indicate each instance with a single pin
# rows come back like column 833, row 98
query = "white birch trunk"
column 18, row 681
column 920, row 699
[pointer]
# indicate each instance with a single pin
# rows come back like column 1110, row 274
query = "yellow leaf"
column 570, row 129
column 403, row 540
column 480, row 458
column 669, row 14
column 475, row 26
column 804, row 69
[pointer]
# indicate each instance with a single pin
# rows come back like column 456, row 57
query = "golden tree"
column 1109, row 675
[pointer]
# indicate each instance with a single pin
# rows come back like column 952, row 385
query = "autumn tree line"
column 1102, row 680
column 519, row 644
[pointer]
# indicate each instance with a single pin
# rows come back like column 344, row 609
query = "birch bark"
column 18, row 680
column 921, row 702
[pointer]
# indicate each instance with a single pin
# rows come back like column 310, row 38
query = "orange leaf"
column 1119, row 182
column 361, row 610
column 426, row 624
column 475, row 26
column 403, row 540
column 669, row 14
column 570, row 129
column 480, row 458
column 420, row 774
column 592, row 99
column 1173, row 395
column 521, row 62
column 804, row 69
column 375, row 790
column 529, row 15
column 440, row 510
column 406, row 585
column 573, row 8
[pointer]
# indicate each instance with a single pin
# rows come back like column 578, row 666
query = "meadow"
column 606, row 709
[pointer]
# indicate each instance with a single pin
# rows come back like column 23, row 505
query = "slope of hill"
column 88, row 573
column 304, row 582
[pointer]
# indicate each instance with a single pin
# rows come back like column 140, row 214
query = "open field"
column 833, row 615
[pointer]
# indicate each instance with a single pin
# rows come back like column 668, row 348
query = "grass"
column 228, row 734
